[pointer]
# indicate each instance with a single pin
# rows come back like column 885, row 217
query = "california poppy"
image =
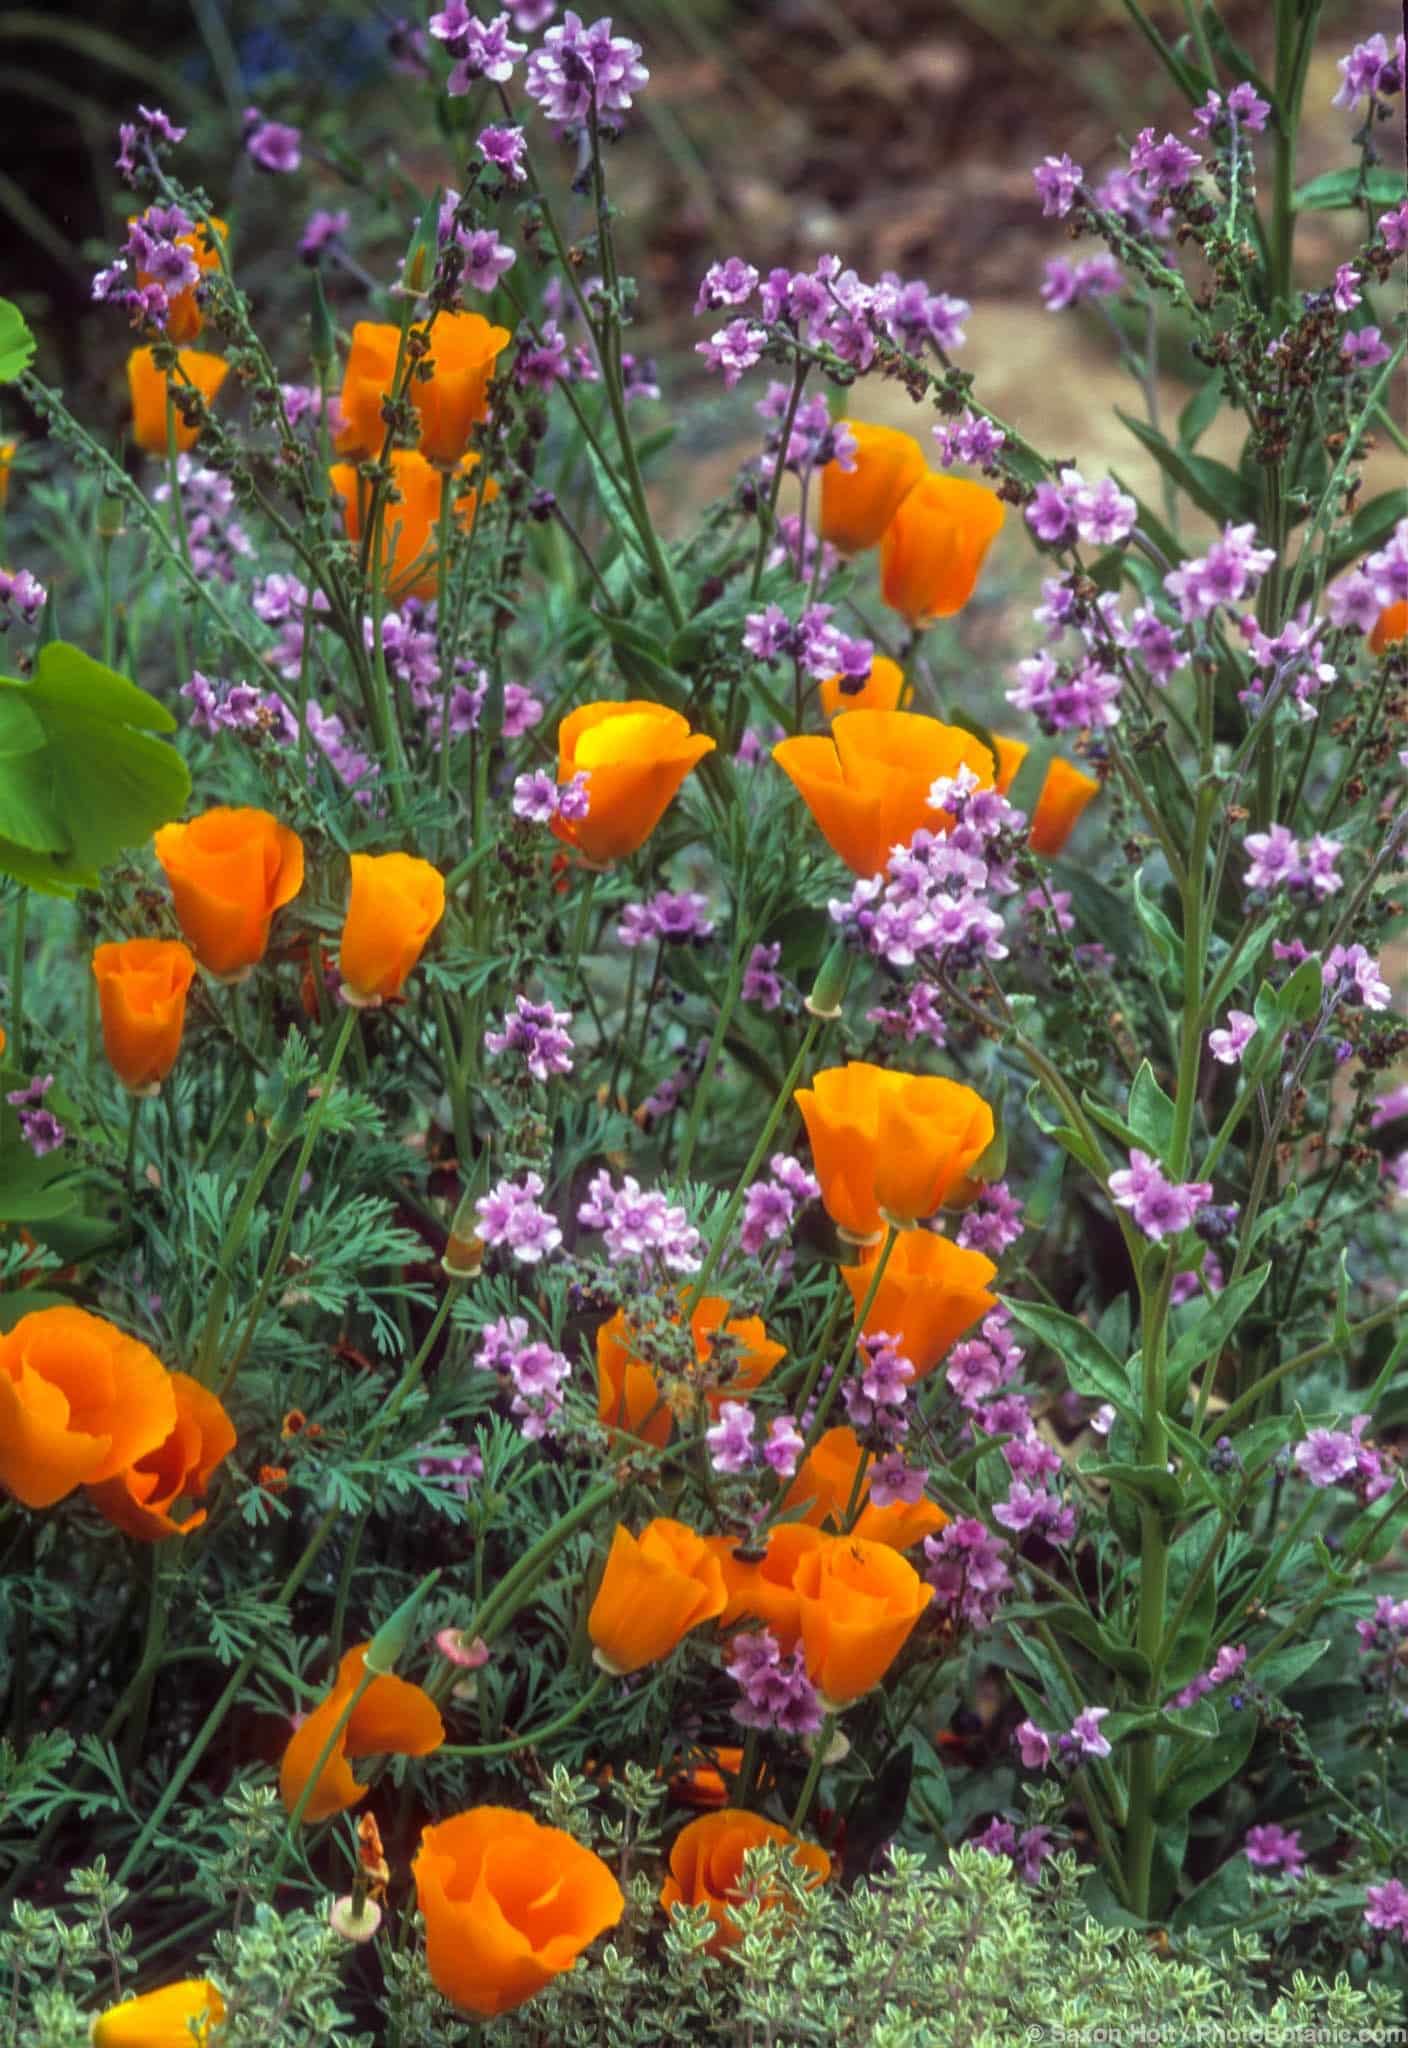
column 859, row 1603
column 141, row 1498
column 867, row 782
column 888, row 1146
column 509, row 1904
column 184, row 318
column 935, row 546
column 178, row 2016
column 634, row 755
column 764, row 1588
column 654, row 1590
column 396, row 902
column 882, row 690
column 1391, row 625
column 706, row 1783
column 930, row 1293
column 451, row 402
column 1065, row 792
column 392, row 1718
column 229, row 871
column 142, row 985
column 80, row 1401
column 825, row 1486
column 707, row 1866
column 628, row 1394
column 147, row 386
column 410, row 521
column 858, row 504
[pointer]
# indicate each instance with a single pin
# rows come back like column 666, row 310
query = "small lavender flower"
column 39, row 1127
column 1386, row 1905
column 968, row 1572
column 1162, row 166
column 1078, row 284
column 22, row 597
column 1355, row 976
column 1085, row 1733
column 321, row 231
column 733, row 349
column 1057, row 180
column 784, row 1446
column 1364, row 348
column 993, row 1223
column 1227, row 574
column 730, row 1439
column 1161, row 1208
column 1229, row 1042
column 1034, row 1744
column 1326, row 1456
column 761, row 983
column 640, row 1224
column 506, row 149
column 578, row 68
column 776, row 1691
column 272, row 145
column 539, row 1034
column 1272, row 1847
column 1371, row 70
column 510, row 1215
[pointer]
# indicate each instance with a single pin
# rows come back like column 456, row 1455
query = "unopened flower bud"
column 354, row 1921
column 829, row 988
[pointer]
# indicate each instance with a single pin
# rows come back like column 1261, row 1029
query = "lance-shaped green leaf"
column 17, row 344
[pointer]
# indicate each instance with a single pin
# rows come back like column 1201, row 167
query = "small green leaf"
column 1200, row 412
column 1209, row 1766
column 1212, row 486
column 1164, row 941
column 17, row 344
column 1345, row 190
column 1214, row 1325
column 1151, row 1112
column 1090, row 1368
column 1152, row 1485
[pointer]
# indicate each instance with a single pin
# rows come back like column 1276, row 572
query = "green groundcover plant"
column 702, row 1282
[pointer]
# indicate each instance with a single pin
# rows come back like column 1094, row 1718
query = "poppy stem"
column 821, row 1749
column 525, row 1741
column 130, row 1170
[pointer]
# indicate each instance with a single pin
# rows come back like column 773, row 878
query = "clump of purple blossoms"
column 1079, row 284
column 876, row 1396
column 776, row 1691
column 22, row 597
column 534, row 1369
column 1161, row 1207
column 1386, row 1905
column 828, row 308
column 1272, row 1847
column 1326, row 1457
column 486, row 258
column 456, row 1471
column 510, row 1215
column 215, row 536
column 818, row 649
column 480, row 49
column 670, row 919
column 770, row 1205
column 1371, row 71
column 1162, row 166
column 1102, row 514
column 321, row 231
column 1353, row 975
column 978, row 1366
column 814, row 440
column 921, row 1016
column 731, row 1445
column 1387, row 1630
column 966, row 1566
column 540, row 799
column 762, row 984
column 640, row 1224
column 1279, row 861
column 577, row 69
column 1057, row 180
column 993, row 1223
column 970, row 439
column 1028, row 1850
column 219, row 706
column 39, row 1127
column 152, row 130
column 1227, row 574
column 1226, row 1665
column 506, row 149
column 153, row 250
column 1382, row 579
column 1243, row 108
column 537, row 1034
column 1290, row 667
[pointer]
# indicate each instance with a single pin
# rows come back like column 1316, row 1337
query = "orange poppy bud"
column 707, row 1866
column 1391, row 625
column 635, row 756
column 867, row 782
column 654, row 1590
column 7, row 456
column 396, row 902
column 408, row 525
column 392, row 1718
column 859, row 1602
column 451, row 402
column 827, row 1479
column 628, row 1394
column 178, row 2016
column 147, row 387
column 935, row 545
column 930, row 1293
column 509, row 1904
column 889, row 1146
column 80, row 1401
column 858, row 504
column 141, row 1499
column 229, row 871
column 882, row 690
column 184, row 318
column 1064, row 795
column 142, row 986
column 765, row 1589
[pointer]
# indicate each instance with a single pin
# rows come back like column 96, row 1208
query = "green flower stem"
column 129, row 1171
column 17, row 953
column 503, row 1603
column 285, row 1224
column 1153, row 1597
column 1303, row 1360
column 275, row 1145
column 848, row 1352
column 578, row 941
column 706, row 1072
column 821, row 1743
column 755, row 1160
column 767, row 522
column 533, row 1735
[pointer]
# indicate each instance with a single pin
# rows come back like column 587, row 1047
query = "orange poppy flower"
column 80, row 1401
column 7, row 456
column 930, row 1293
column 509, row 1904
column 634, row 755
column 178, row 2016
column 707, row 1866
column 765, row 1590
column 142, row 986
column 396, row 902
column 229, row 871
column 1391, row 625
column 827, row 1479
column 654, row 1590
column 451, row 402
column 857, row 505
column 859, row 1602
column 882, row 690
column 409, row 524
column 1064, row 795
column 184, row 318
column 867, row 782
column 935, row 545
column 707, row 1784
column 888, row 1146
column 140, row 1500
column 146, row 385
column 392, row 1718
column 628, row 1392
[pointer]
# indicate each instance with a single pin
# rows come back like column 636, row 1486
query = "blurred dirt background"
column 900, row 133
